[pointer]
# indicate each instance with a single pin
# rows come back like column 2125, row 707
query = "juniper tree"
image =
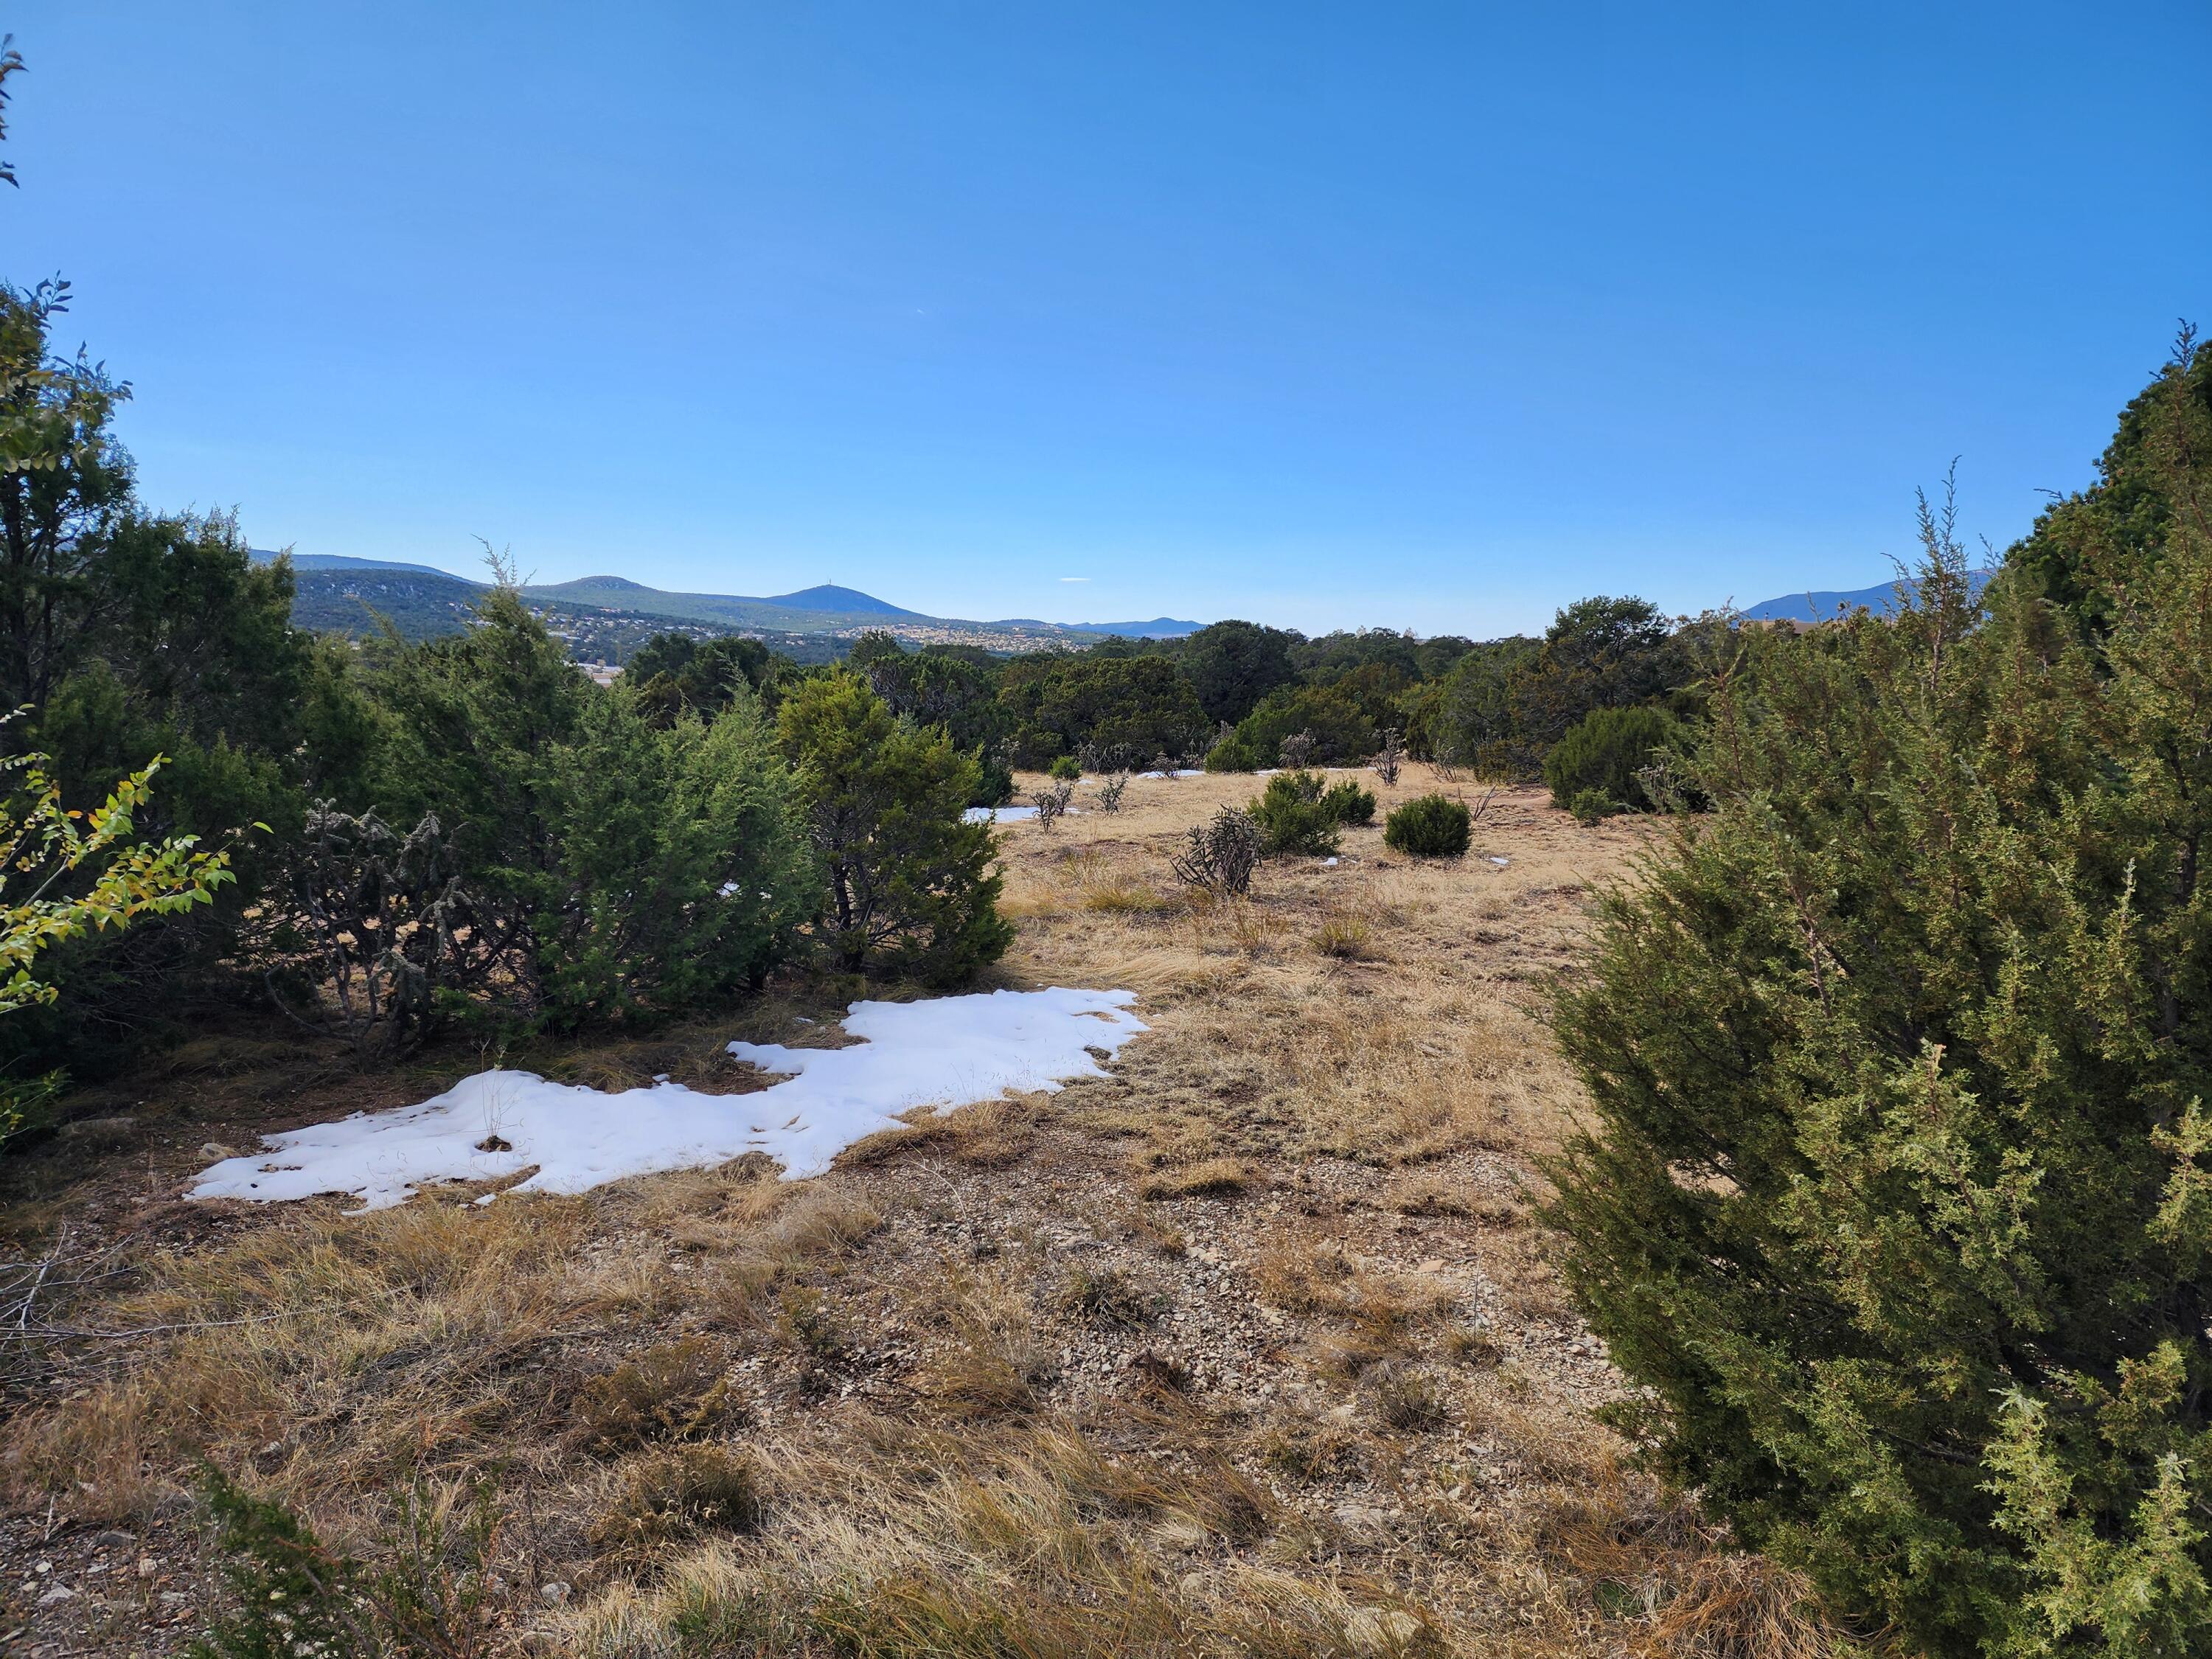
column 909, row 885
column 1898, row 1200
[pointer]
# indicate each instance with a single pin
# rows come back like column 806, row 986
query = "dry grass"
column 1248, row 1349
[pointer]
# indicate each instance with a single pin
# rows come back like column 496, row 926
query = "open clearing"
column 1249, row 1346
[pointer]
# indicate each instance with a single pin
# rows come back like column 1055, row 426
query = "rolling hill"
column 1822, row 606
column 337, row 593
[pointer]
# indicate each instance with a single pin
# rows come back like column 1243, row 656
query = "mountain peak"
column 842, row 601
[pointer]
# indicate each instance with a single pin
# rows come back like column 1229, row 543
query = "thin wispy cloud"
column 1075, row 579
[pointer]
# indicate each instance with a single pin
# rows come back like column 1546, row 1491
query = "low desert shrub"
column 1350, row 803
column 1065, row 769
column 1428, row 827
column 1602, row 757
column 1299, row 814
column 1108, row 1299
column 1052, row 803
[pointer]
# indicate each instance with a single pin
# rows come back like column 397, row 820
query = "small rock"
column 1434, row 1265
column 115, row 1540
column 147, row 1566
column 216, row 1149
column 55, row 1595
column 555, row 1592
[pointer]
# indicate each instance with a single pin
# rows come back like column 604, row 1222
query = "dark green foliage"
column 681, row 869
column 1348, row 803
column 994, row 780
column 1471, row 717
column 638, row 867
column 1428, row 827
column 1232, row 664
column 1065, row 767
column 1503, row 705
column 1340, row 731
column 1602, row 754
column 1299, row 813
column 910, row 887
column 1059, row 704
column 134, row 634
column 671, row 674
column 1899, row 1202
column 293, row 1595
column 2080, row 542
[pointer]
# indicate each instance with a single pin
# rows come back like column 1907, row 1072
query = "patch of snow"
column 1330, row 864
column 1189, row 772
column 997, row 814
column 949, row 1052
column 1499, row 862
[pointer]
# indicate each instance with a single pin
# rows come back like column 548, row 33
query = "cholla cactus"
column 1390, row 759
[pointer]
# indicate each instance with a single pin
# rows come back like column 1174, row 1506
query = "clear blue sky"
column 1435, row 316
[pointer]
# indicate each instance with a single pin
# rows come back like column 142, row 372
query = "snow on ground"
column 997, row 814
column 1192, row 773
column 949, row 1052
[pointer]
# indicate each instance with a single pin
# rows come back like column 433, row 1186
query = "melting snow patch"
column 950, row 1052
column 1191, row 773
column 997, row 814
column 1328, row 864
column 1498, row 861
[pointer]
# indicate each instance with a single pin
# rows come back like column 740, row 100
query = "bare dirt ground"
column 1252, row 1347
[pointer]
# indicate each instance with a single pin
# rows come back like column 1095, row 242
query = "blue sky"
column 1428, row 316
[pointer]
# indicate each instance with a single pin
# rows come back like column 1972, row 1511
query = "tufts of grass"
column 671, row 1392
column 671, row 1495
column 1107, row 1299
column 1406, row 1401
column 1346, row 937
column 1211, row 1177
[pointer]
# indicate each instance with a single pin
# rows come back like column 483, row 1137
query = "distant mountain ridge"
column 333, row 586
column 1826, row 605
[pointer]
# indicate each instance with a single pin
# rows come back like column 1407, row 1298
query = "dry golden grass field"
column 1252, row 1347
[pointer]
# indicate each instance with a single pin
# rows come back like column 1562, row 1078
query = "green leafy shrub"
column 1589, row 806
column 1897, row 1207
column 908, row 884
column 65, row 874
column 1065, row 769
column 1428, row 827
column 1600, row 758
column 639, row 860
column 1349, row 804
column 994, row 780
column 290, row 1594
column 1338, row 730
column 1296, row 816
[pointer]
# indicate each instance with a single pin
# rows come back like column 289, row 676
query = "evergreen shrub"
column 1428, row 827
column 1592, row 770
column 1896, row 1205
